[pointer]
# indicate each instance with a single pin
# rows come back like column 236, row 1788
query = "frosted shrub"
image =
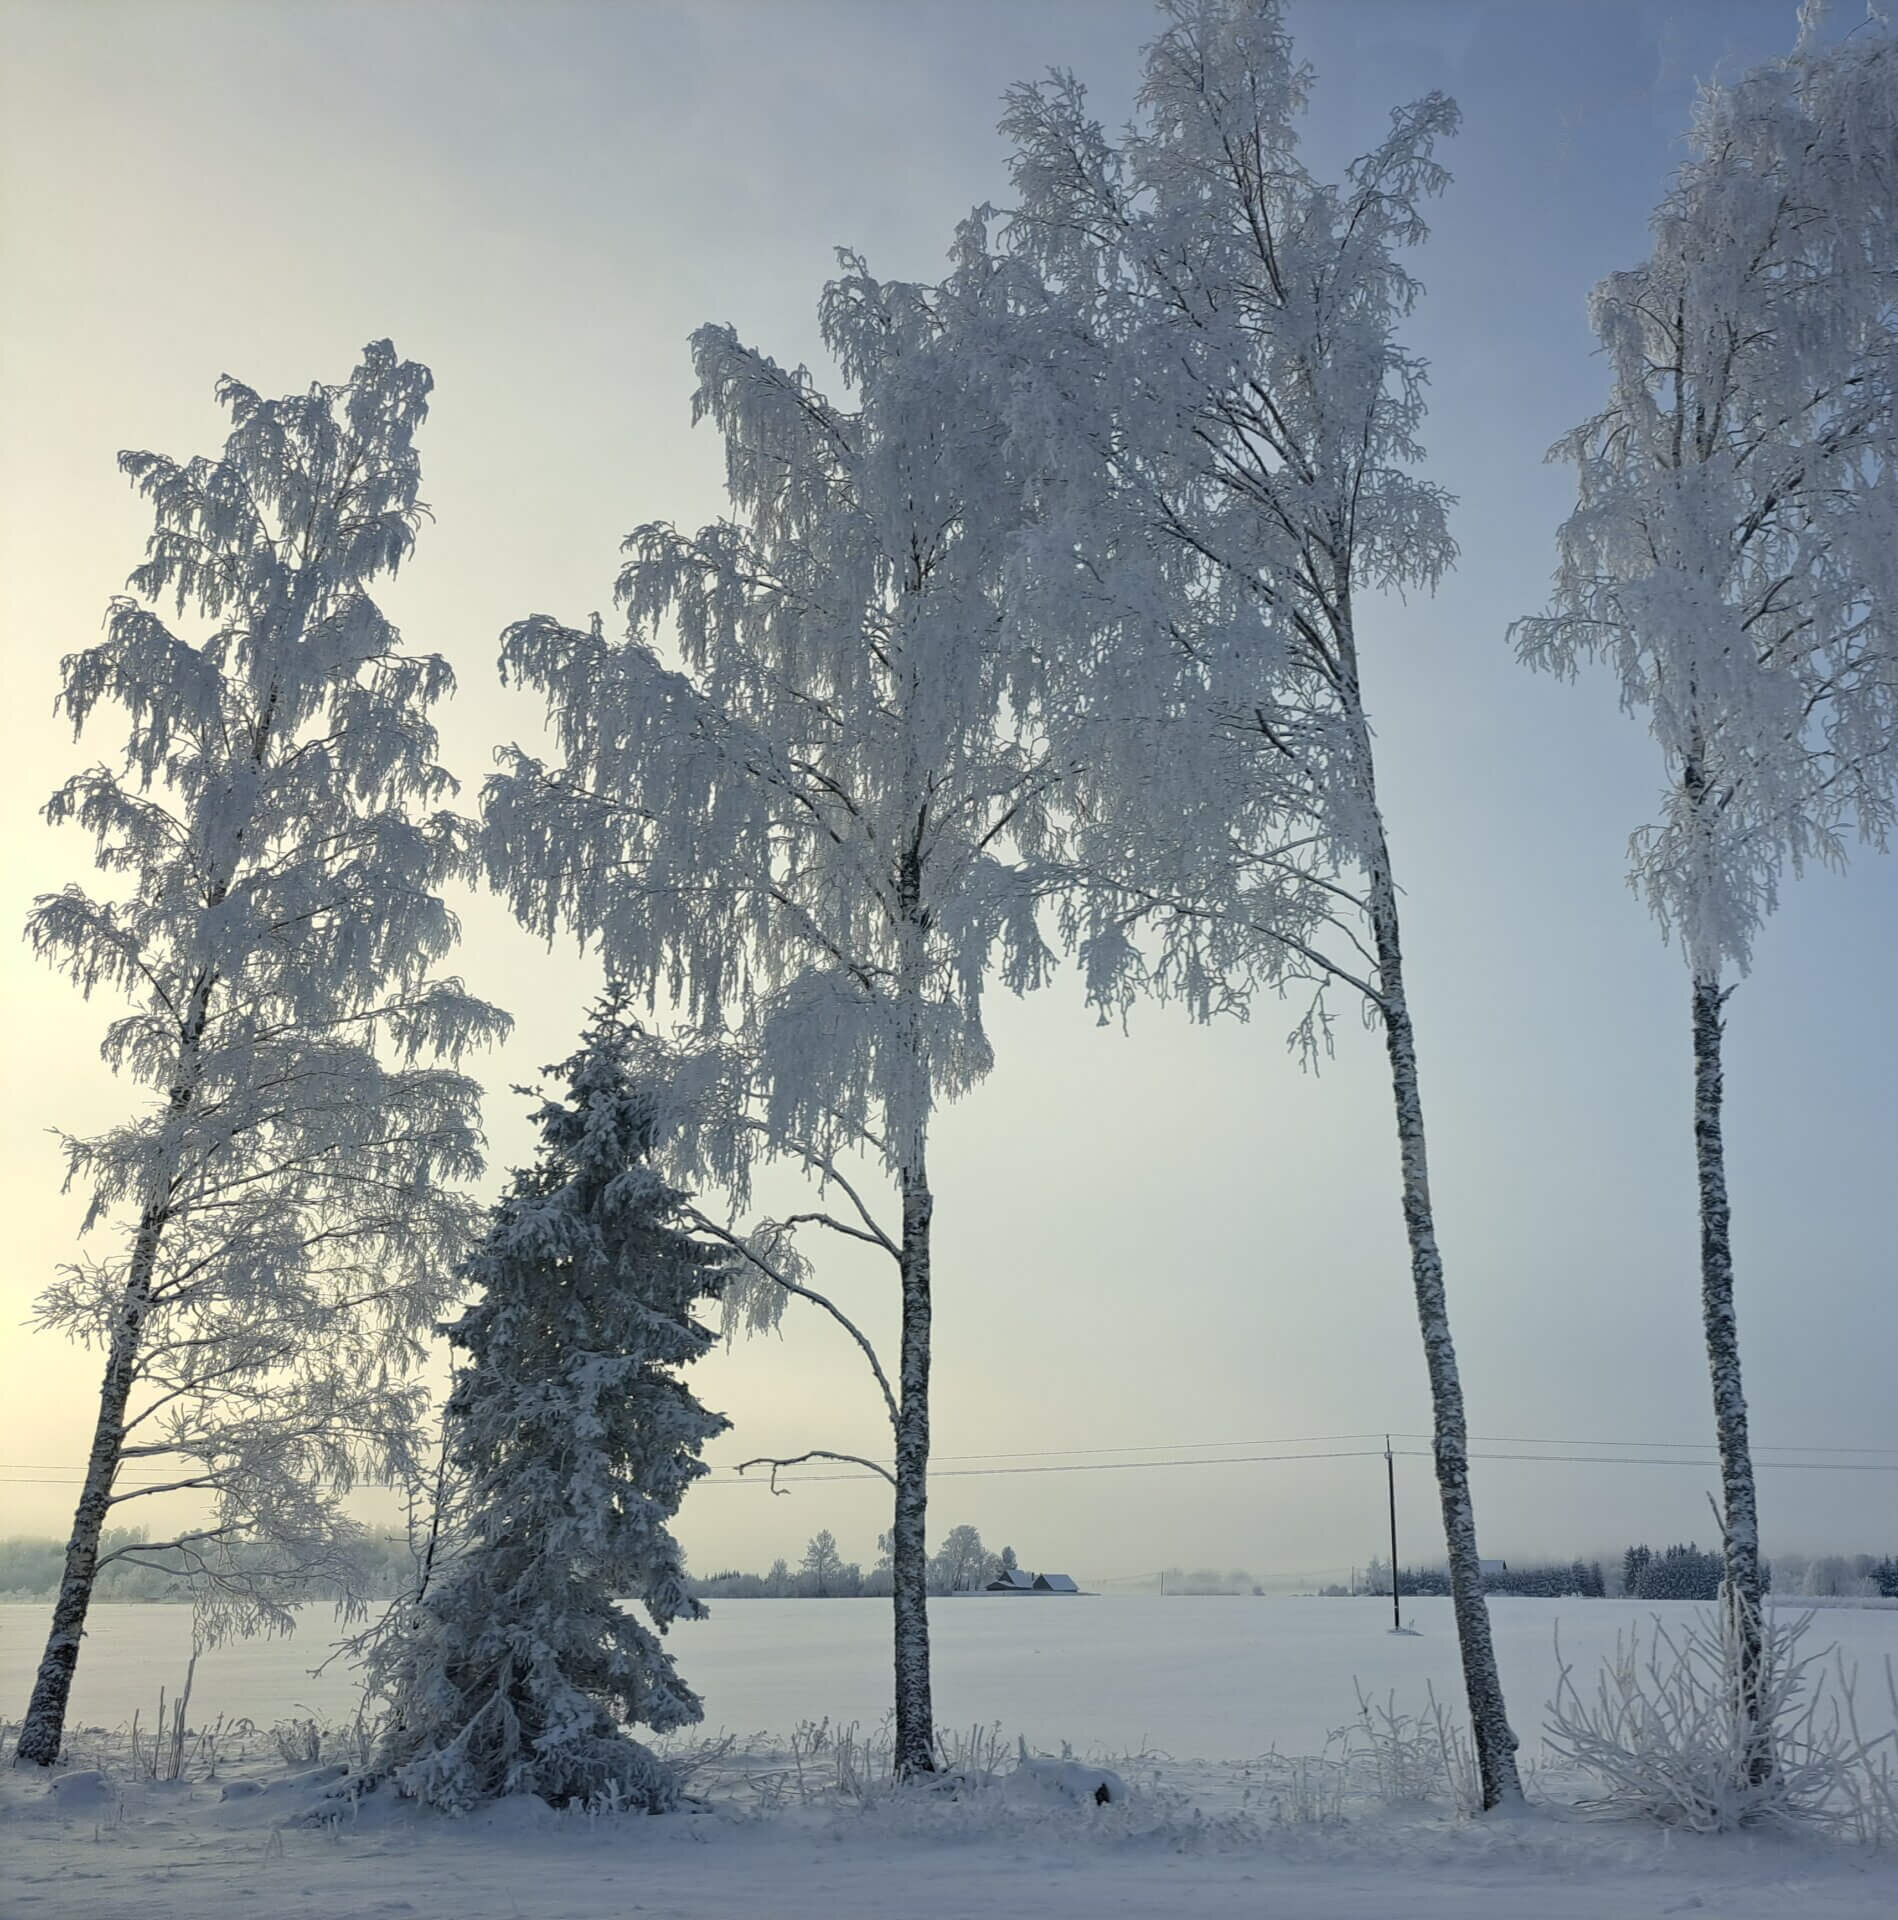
column 1669, row 1738
column 1304, row 1790
column 832, row 1764
column 1384, row 1757
column 1400, row 1758
column 299, row 1740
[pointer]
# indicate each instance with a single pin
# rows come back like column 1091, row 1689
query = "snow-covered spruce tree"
column 1733, row 558
column 282, row 1204
column 825, row 835
column 1205, row 360
column 573, row 1439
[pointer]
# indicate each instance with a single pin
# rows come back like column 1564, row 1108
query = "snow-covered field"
column 1199, row 1690
column 1216, row 1679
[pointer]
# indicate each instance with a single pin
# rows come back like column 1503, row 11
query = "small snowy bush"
column 1384, row 1757
column 1668, row 1737
column 1397, row 1758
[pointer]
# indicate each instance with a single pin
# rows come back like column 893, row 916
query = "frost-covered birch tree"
column 573, row 1439
column 1206, row 359
column 824, row 836
column 278, row 1223
column 1733, row 559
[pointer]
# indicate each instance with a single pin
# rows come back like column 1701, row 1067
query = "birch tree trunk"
column 909, row 1550
column 1450, row 1450
column 1739, row 1512
column 43, row 1731
column 1489, row 1719
column 915, row 1714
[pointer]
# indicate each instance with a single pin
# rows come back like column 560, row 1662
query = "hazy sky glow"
column 1144, row 1240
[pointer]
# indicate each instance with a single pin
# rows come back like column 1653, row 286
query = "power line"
column 1698, row 1446
column 1079, row 1460
column 1072, row 1466
column 1169, row 1446
column 1646, row 1460
column 1367, row 1453
column 1200, row 1446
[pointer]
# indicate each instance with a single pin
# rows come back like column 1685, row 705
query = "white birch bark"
column 909, row 1551
column 909, row 1547
column 43, row 1730
column 1739, row 1513
column 1482, row 1682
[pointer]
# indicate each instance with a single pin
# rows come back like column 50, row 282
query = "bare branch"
column 816, row 1453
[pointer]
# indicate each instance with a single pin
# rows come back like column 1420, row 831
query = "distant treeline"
column 31, row 1569
column 1680, row 1572
column 962, row 1564
column 1676, row 1573
column 1687, row 1573
column 782, row 1581
column 1554, row 1581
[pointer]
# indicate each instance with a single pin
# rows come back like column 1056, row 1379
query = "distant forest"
column 30, row 1570
column 962, row 1564
column 1681, row 1572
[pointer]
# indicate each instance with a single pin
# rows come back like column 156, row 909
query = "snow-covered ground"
column 1197, row 1691
column 1222, row 1679
column 186, row 1856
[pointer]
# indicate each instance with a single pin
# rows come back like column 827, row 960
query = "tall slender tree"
column 825, row 836
column 573, row 1439
column 283, row 1205
column 1733, row 558
column 1205, row 356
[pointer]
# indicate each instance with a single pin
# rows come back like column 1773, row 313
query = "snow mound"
column 84, row 1790
column 517, row 1813
column 1040, row 1780
column 313, row 1796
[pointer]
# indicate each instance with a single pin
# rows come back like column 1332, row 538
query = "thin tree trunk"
column 915, row 1716
column 1740, row 1512
column 1489, row 1719
column 909, row 1551
column 1450, row 1446
column 43, row 1731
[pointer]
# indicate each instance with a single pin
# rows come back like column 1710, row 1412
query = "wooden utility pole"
column 1390, row 1482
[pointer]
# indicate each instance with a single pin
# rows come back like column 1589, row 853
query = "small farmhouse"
column 1019, row 1580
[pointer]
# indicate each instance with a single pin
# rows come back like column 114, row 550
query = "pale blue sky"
column 1173, row 1237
